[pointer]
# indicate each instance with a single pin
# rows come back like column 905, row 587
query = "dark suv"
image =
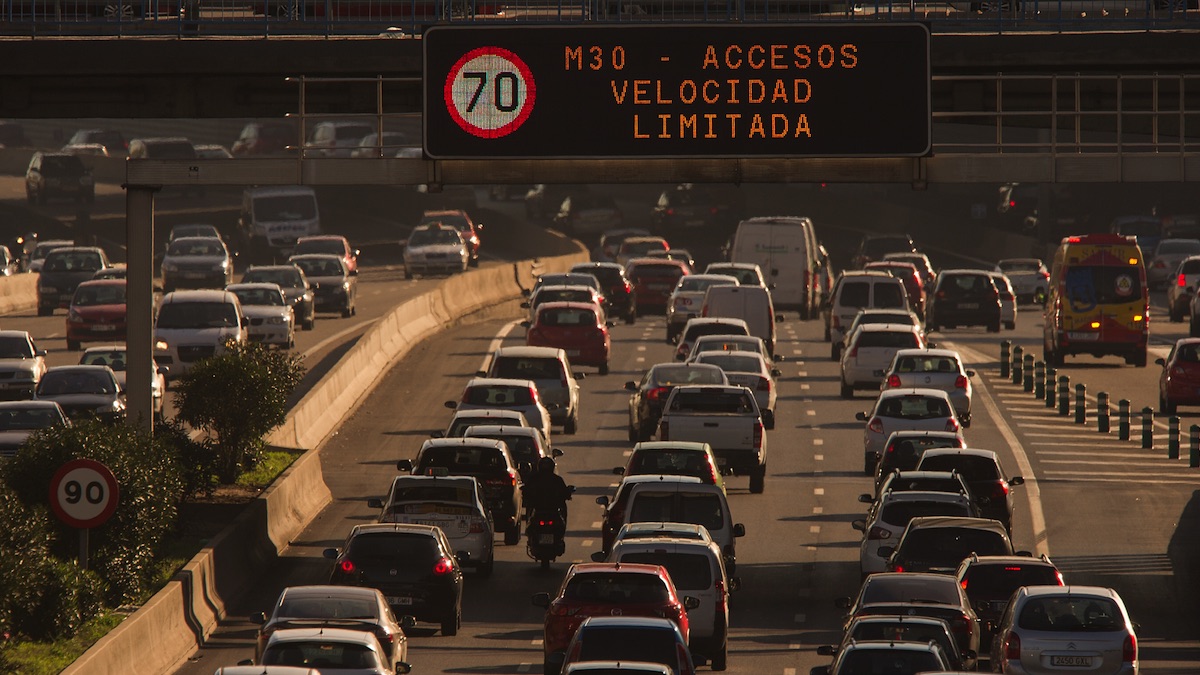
column 990, row 581
column 964, row 298
column 618, row 292
column 56, row 175
column 113, row 141
column 939, row 544
column 487, row 460
column 874, row 246
column 413, row 565
column 984, row 475
column 63, row 271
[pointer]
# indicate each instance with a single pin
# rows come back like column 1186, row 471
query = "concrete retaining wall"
column 180, row 617
column 18, row 293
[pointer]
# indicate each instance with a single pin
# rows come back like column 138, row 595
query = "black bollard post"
column 1147, row 427
column 1080, row 404
column 1173, row 437
column 1051, row 380
column 1039, row 379
column 1123, row 419
column 1017, row 354
column 1102, row 423
column 1005, row 346
column 1064, row 395
column 1194, row 441
column 1027, row 372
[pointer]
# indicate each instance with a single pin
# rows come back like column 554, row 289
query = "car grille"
column 195, row 353
column 7, row 375
column 78, row 410
column 256, row 322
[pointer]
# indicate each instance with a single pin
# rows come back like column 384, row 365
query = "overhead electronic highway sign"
column 632, row 91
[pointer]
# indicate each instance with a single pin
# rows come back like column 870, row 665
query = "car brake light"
column 1058, row 577
column 664, row 431
column 960, row 382
column 346, row 566
column 657, row 393
column 1012, row 646
column 1182, row 280
column 951, row 424
column 512, row 478
column 893, row 381
column 443, row 567
column 898, row 567
column 758, row 435
column 385, row 638
column 533, row 394
column 670, row 210
column 719, row 587
column 764, row 384
column 1001, row 490
column 1129, row 649
column 877, row 532
column 875, row 425
column 964, row 583
column 853, row 353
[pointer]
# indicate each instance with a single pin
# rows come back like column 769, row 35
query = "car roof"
column 476, row 430
column 632, row 666
column 14, row 333
column 500, row 381
column 569, row 287
column 407, row 528
column 1008, row 560
column 887, row 328
column 715, row 354
column 867, row 274
column 103, row 282
column 195, row 238
column 972, row 452
column 664, row 542
column 451, row 478
column 612, row 567
column 567, row 305
column 199, row 295
column 28, row 404
column 1040, row 591
column 316, row 256
column 469, row 442
column 915, row 433
column 644, row 622
column 661, row 478
column 252, row 286
column 533, row 352
column 668, row 526
column 924, row 522
column 683, row 446
column 913, row 391
column 922, row 496
column 916, row 351
column 714, row 321
column 512, row 413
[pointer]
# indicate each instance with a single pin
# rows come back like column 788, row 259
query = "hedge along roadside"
column 159, row 636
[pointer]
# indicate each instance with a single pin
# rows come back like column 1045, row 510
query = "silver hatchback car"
column 1052, row 629
column 940, row 369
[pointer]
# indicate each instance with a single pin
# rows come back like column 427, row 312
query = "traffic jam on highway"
column 653, row 384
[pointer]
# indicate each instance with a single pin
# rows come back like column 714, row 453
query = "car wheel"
column 646, row 434
column 45, row 311
column 1137, row 360
column 571, row 425
column 994, row 327
column 309, row 323
column 1010, row 325
column 868, row 466
column 474, row 262
column 408, row 273
column 513, row 536
column 758, row 480
column 450, row 625
column 1165, row 406
column 604, row 368
column 485, row 570
column 1175, row 315
column 347, row 311
column 834, row 353
column 721, row 658
column 72, row 345
column 847, row 391
column 631, row 317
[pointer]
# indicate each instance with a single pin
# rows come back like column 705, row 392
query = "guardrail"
column 135, row 18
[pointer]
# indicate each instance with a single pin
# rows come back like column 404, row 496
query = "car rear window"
column 404, row 551
column 326, row 653
column 426, row 492
column 1103, row 285
column 567, row 317
column 717, row 402
column 903, row 631
column 674, row 375
column 499, row 395
column 679, row 507
column 629, row 644
column 914, row 407
column 525, row 368
column 1019, row 266
column 890, row 295
column 731, row 364
column 744, row 275
column 699, row 329
column 966, row 284
column 927, row 364
column 689, row 571
column 617, row 587
column 562, row 295
column 326, row 607
column 886, row 317
column 671, row 462
column 649, row 271
column 1190, row 267
column 952, row 544
column 907, row 589
column 72, row 262
column 854, row 294
column 926, row 484
column 1073, row 614
column 609, row 276
column 284, row 278
column 999, row 580
column 899, row 513
column 888, row 338
column 462, row 458
column 460, row 424
column 971, row 467
column 890, row 661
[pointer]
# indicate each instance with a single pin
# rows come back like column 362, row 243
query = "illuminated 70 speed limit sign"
column 83, row 493
column 490, row 92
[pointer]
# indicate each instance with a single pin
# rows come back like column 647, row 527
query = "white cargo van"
column 751, row 304
column 786, row 249
column 273, row 218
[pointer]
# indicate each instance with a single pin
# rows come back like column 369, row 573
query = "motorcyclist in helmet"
column 547, row 492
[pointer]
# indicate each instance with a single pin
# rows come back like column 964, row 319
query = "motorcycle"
column 545, row 533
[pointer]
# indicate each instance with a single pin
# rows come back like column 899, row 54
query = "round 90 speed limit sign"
column 83, row 493
column 490, row 92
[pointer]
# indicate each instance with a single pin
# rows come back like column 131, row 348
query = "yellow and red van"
column 1098, row 301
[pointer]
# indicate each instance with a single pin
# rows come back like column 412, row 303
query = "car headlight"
column 161, row 346
column 345, row 285
column 47, row 289
column 170, row 267
column 72, row 315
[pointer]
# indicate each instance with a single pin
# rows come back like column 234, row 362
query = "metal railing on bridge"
column 401, row 18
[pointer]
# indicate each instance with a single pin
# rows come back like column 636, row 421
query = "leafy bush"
column 197, row 458
column 67, row 596
column 238, row 397
column 25, row 538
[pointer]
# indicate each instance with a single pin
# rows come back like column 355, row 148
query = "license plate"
column 876, row 373
column 1071, row 661
column 658, row 287
column 103, row 328
column 573, row 352
column 722, row 461
column 1084, row 336
column 968, row 305
column 545, row 539
column 193, row 275
column 399, row 600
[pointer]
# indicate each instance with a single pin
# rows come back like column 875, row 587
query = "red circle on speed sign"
column 83, row 493
column 490, row 92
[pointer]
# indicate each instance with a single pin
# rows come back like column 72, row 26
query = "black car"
column 648, row 397
column 618, row 292
column 939, row 544
column 334, row 286
column 63, row 271
column 56, row 175
column 702, row 208
column 113, row 140
column 488, row 461
column 295, row 288
column 990, row 580
column 413, row 565
column 964, row 298
column 874, row 246
column 84, row 391
column 990, row 487
column 917, row 594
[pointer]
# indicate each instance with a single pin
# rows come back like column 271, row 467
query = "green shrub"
column 197, row 458
column 67, row 597
column 25, row 538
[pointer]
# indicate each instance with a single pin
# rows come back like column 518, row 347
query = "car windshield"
column 890, row 339
column 180, row 231
column 927, row 364
column 434, row 236
column 56, row 383
column 325, row 607
column 698, row 508
column 913, row 407
column 15, row 348
column 898, row 513
column 971, row 467
column 284, row 278
column 331, row 246
column 107, row 294
column 713, row 402
column 519, row 368
column 999, row 580
column 629, row 644
column 566, row 317
column 62, row 166
column 1088, row 286
column 884, row 660
column 462, row 459
column 900, row 630
column 259, row 296
column 902, row 588
column 285, row 207
column 24, row 419
column 689, row 571
column 1173, row 247
column 498, row 396
column 194, row 247
column 616, row 587
column 320, row 267
column 672, row 375
column 730, row 363
column 951, row 544
column 322, row 654
column 671, row 462
column 1071, row 614
column 197, row 315
column 72, row 262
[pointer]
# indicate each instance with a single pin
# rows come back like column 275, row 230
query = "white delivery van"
column 786, row 249
column 751, row 304
column 273, row 218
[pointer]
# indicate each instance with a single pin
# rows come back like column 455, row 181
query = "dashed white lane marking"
column 614, row 485
column 1155, row 464
column 818, row 441
column 496, row 343
column 819, row 458
column 818, row 491
column 793, row 646
column 810, row 413
column 802, row 373
column 641, row 348
column 1089, row 454
column 586, row 543
column 1059, row 426
column 797, row 352
column 1099, row 442
column 1081, row 434
column 536, row 643
column 640, row 359
column 597, row 524
column 1113, row 475
column 814, row 529
column 1076, row 478
column 804, row 387
column 789, row 671
column 818, row 509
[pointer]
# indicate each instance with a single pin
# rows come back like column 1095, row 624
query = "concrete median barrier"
column 180, row 617
column 18, row 293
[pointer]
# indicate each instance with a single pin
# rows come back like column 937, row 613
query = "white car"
column 732, row 343
column 500, row 392
column 705, row 325
column 195, row 325
column 918, row 409
column 889, row 515
column 933, row 369
column 22, row 364
column 434, row 249
column 1029, row 276
column 1166, row 258
column 687, row 299
column 562, row 293
column 871, row 350
column 197, row 262
column 869, row 316
column 750, row 370
column 748, row 274
column 113, row 356
column 341, row 650
column 1182, row 287
column 1008, row 300
column 465, row 419
column 272, row 319
column 454, row 503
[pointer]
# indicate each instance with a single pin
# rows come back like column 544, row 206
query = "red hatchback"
column 653, row 280
column 609, row 589
column 578, row 328
column 1179, row 383
column 97, row 313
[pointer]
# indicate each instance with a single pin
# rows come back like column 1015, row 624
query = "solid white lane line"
column 495, row 344
column 1154, row 464
column 1090, row 475
column 1069, row 478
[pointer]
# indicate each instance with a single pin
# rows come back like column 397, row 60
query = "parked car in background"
column 57, row 175
column 97, row 313
column 265, row 139
column 1029, row 277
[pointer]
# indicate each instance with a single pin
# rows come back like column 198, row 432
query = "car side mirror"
column 525, row 305
column 451, row 404
column 525, row 324
column 375, row 503
column 860, row 524
column 405, row 465
column 481, row 373
column 826, row 650
column 690, row 602
column 356, row 253
column 1160, row 362
column 579, row 376
column 970, row 373
column 354, row 273
column 408, row 622
column 842, row 602
column 860, row 416
column 599, row 557
column 866, row 499
column 739, row 530
column 680, row 357
column 246, row 662
column 619, row 470
column 403, row 668
column 525, row 292
column 610, row 324
column 631, row 386
column 540, row 600
column 735, row 584
column 776, row 372
column 602, row 500
column 1016, row 480
column 781, row 357
column 330, row 553
column 259, row 618
column 556, row 452
column 41, row 352
column 437, row 434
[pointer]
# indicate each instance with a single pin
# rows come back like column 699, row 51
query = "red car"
column 333, row 244
column 608, row 589
column 459, row 220
column 578, row 328
column 654, row 279
column 914, row 287
column 97, row 313
column 1179, row 383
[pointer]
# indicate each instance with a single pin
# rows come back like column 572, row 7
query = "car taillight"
column 545, row 522
column 960, row 382
column 963, row 624
column 658, row 393
column 664, row 431
column 1129, row 649
column 1012, row 646
column 893, row 381
column 875, row 425
column 940, row 295
column 1045, row 275
column 346, row 566
column 628, row 288
column 385, row 637
column 1058, row 577
column 758, row 435
column 877, row 532
column 952, row 424
column 476, row 525
column 719, row 587
column 764, row 384
column 443, row 567
column 1182, row 280
column 835, row 321
column 670, row 210
column 898, row 567
column 512, row 478
column 1000, row 491
column 533, row 394
column 681, row 654
column 853, row 353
